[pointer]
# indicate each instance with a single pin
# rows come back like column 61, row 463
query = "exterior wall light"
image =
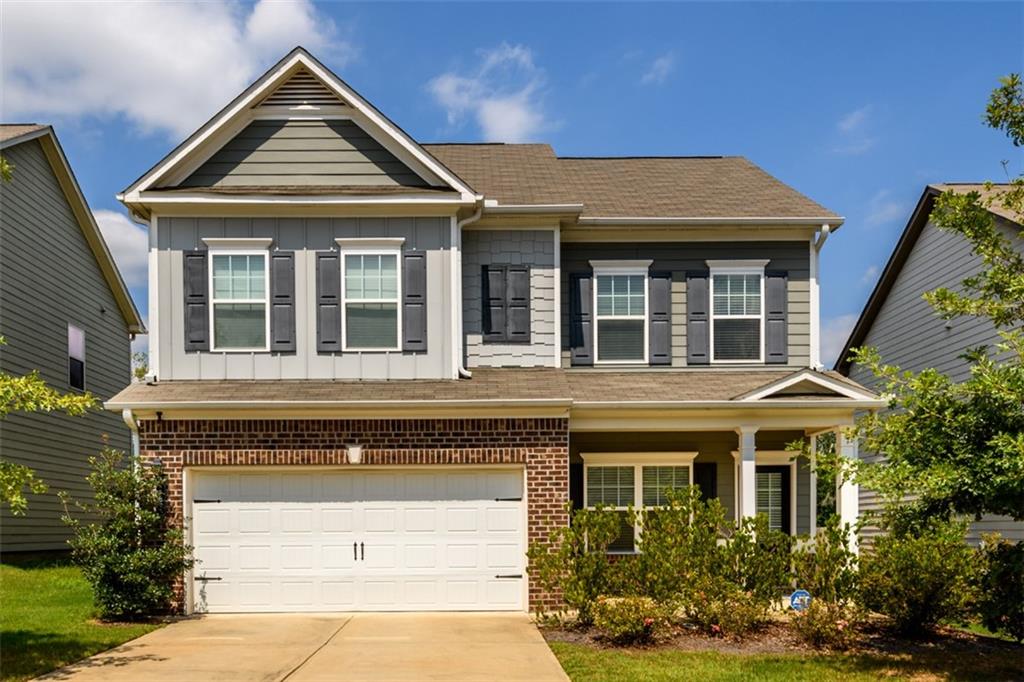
column 355, row 453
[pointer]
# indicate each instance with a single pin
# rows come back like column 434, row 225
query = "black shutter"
column 493, row 286
column 698, row 331
column 776, row 341
column 517, row 297
column 197, row 305
column 328, row 302
column 660, row 307
column 581, row 318
column 282, row 301
column 705, row 476
column 414, row 301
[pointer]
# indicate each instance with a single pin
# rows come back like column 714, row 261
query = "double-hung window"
column 371, row 294
column 638, row 481
column 737, row 311
column 620, row 306
column 239, row 299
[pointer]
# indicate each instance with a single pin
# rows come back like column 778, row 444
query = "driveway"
column 302, row 648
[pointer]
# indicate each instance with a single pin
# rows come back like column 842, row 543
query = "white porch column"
column 748, row 486
column 847, row 502
column 814, row 486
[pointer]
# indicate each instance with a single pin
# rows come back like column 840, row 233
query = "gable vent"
column 302, row 90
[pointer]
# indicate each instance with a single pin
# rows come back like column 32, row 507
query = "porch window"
column 239, row 296
column 772, row 486
column 371, row 295
column 614, row 486
column 620, row 304
column 737, row 313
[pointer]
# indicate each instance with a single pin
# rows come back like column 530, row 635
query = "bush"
column 828, row 625
column 1001, row 597
column 574, row 562
column 630, row 620
column 825, row 566
column 919, row 579
column 721, row 607
column 758, row 560
column 130, row 556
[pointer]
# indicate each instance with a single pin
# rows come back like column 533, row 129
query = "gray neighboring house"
column 905, row 328
column 64, row 311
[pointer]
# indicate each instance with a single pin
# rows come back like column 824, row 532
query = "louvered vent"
column 302, row 89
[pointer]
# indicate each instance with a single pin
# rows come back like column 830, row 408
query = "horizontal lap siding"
column 49, row 278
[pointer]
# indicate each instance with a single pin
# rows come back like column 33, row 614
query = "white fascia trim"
column 815, row 294
column 238, row 242
column 631, row 458
column 492, row 207
column 557, row 236
column 357, row 404
column 813, row 377
column 158, row 198
column 724, row 220
column 737, row 265
column 852, row 403
column 620, row 266
column 376, row 243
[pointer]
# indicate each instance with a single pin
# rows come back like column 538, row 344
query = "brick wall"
column 542, row 445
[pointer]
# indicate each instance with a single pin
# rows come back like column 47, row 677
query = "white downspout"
column 133, row 426
column 457, row 290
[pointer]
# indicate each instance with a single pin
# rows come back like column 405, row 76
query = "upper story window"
column 620, row 304
column 76, row 357
column 239, row 297
column 371, row 295
column 737, row 312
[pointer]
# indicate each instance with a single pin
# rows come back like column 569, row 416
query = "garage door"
column 369, row 540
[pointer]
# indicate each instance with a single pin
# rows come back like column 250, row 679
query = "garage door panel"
column 297, row 520
column 213, row 557
column 337, row 520
column 254, row 521
column 421, row 556
column 421, row 520
column 462, row 519
column 255, row 557
column 251, row 488
column 297, row 557
column 379, row 520
column 337, row 557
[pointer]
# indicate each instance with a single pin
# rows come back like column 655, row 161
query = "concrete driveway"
column 302, row 648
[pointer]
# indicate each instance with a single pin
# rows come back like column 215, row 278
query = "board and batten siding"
column 677, row 258
column 304, row 236
column 303, row 153
column 909, row 333
column 535, row 248
column 49, row 277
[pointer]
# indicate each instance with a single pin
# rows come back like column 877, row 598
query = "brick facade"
column 542, row 445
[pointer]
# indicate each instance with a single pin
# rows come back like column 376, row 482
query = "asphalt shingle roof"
column 11, row 130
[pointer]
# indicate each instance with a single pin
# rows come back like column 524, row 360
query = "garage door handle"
column 205, row 501
column 508, row 499
column 509, row 576
column 355, row 556
column 205, row 579
column 362, row 551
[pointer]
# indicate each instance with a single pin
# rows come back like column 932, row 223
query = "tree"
column 6, row 169
column 958, row 448
column 140, row 365
column 29, row 393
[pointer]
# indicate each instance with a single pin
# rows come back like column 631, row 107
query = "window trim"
column 372, row 247
column 769, row 458
column 71, row 326
column 608, row 268
column 242, row 249
column 740, row 267
column 637, row 460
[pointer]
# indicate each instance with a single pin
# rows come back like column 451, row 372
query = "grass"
column 586, row 663
column 47, row 620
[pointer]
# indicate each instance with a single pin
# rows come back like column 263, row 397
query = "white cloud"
column 882, row 209
column 869, row 275
column 854, row 120
column 834, row 333
column 503, row 94
column 163, row 67
column 659, row 70
column 129, row 244
column 854, row 138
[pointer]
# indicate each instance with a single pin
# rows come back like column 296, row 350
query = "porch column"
column 847, row 501
column 814, row 486
column 748, row 486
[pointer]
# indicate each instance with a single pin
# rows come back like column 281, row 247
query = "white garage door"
column 370, row 540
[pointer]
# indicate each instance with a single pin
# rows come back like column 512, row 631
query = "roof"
column 918, row 219
column 15, row 134
column 640, row 187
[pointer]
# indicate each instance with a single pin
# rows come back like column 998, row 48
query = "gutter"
column 458, row 336
column 532, row 209
column 733, row 404
column 127, row 408
column 724, row 220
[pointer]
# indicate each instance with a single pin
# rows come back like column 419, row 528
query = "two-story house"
column 381, row 368
column 64, row 312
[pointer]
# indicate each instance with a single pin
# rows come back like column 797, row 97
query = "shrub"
column 130, row 555
column 721, row 607
column 828, row 625
column 825, row 566
column 574, row 562
column 919, row 579
column 629, row 620
column 1001, row 597
column 758, row 560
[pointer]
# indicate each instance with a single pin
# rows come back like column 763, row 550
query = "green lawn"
column 46, row 620
column 586, row 663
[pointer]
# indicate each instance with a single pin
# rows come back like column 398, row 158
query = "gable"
column 302, row 89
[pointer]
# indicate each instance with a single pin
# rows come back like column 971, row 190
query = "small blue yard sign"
column 800, row 600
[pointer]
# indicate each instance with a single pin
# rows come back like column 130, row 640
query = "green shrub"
column 721, row 607
column 130, row 555
column 919, row 579
column 828, row 624
column 574, row 562
column 1001, row 594
column 758, row 560
column 825, row 566
column 630, row 620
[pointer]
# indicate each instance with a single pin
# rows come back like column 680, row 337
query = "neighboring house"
column 380, row 368
column 65, row 312
column 908, row 332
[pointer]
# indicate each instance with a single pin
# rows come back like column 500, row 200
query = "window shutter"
column 698, row 331
column 660, row 308
column 197, row 305
column 581, row 318
column 414, row 301
column 495, row 322
column 517, row 297
column 705, row 476
column 328, row 302
column 282, row 301
column 776, row 341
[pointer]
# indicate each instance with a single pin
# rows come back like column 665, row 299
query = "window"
column 76, row 357
column 620, row 303
column 239, row 300
column 370, row 293
column 773, row 488
column 737, row 319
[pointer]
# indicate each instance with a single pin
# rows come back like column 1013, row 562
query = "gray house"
column 380, row 368
column 65, row 312
column 906, row 329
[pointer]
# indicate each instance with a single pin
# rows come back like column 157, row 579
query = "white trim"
column 626, row 458
column 813, row 477
column 814, row 377
column 735, row 267
column 815, row 296
column 716, row 220
column 740, row 266
column 238, row 242
column 557, row 234
column 390, row 249
column 360, row 244
column 493, row 207
column 158, row 198
column 232, row 251
column 153, row 297
column 620, row 268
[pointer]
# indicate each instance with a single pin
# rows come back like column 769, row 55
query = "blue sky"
column 857, row 105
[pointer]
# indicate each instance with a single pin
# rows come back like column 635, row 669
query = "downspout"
column 826, row 230
column 133, row 426
column 457, row 288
